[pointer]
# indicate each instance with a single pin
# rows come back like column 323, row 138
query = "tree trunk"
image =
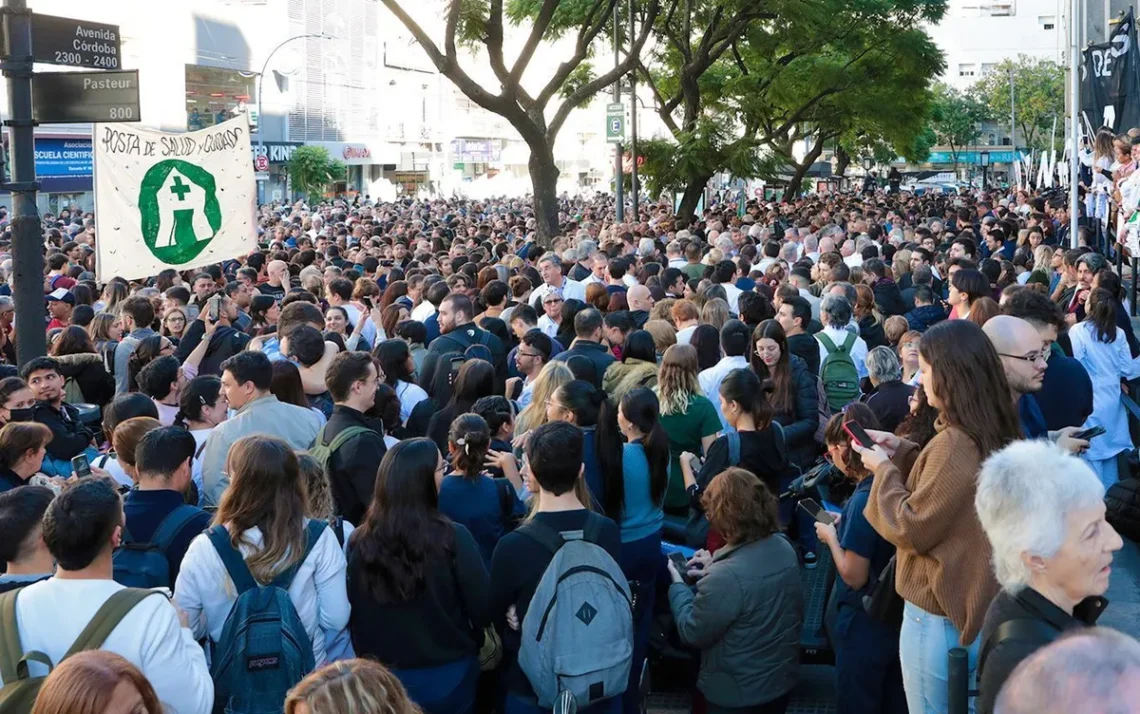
column 689, row 200
column 802, row 169
column 842, row 161
column 544, row 183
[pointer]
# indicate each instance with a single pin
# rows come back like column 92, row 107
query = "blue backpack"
column 145, row 565
column 264, row 649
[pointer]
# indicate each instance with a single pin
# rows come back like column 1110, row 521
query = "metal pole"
column 633, row 120
column 1074, row 116
column 619, row 199
column 261, row 84
column 27, row 238
column 1012, row 117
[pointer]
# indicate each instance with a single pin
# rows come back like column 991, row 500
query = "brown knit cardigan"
column 943, row 561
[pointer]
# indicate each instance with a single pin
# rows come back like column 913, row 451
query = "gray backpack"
column 577, row 635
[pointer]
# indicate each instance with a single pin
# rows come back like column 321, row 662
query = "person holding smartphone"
column 867, row 665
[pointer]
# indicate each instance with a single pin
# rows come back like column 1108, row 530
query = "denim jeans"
column 517, row 705
column 641, row 562
column 924, row 646
column 446, row 689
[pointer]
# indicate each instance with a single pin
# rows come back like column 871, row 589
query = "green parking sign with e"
column 615, row 122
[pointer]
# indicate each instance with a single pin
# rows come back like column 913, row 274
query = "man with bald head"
column 640, row 303
column 278, row 274
column 1095, row 671
column 1024, row 355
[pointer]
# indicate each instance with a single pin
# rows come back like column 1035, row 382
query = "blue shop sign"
column 971, row 157
column 63, row 158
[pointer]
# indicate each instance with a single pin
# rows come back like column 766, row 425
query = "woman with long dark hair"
column 399, row 368
column 485, row 506
column 923, row 503
column 966, row 286
column 417, row 584
column 87, row 378
column 1102, row 349
column 201, row 407
column 22, row 449
column 706, row 341
column 263, row 313
column 586, row 407
column 637, row 368
column 795, row 400
column 644, row 477
column 1108, row 279
column 259, row 533
column 476, row 379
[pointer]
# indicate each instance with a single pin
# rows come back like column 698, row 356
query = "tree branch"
column 666, row 116
column 590, row 30
column 537, row 30
column 592, row 87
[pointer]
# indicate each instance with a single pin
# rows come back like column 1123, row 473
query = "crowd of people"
column 405, row 458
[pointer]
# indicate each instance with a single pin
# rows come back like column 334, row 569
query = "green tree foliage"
column 1039, row 93
column 955, row 118
column 481, row 25
column 831, row 72
column 311, row 169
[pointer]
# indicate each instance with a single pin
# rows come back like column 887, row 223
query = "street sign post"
column 615, row 122
column 65, row 97
column 77, row 43
column 261, row 163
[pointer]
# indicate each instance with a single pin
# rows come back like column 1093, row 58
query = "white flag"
column 172, row 200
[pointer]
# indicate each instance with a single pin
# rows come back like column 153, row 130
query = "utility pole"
column 1012, row 118
column 633, row 120
column 1074, row 115
column 27, row 238
column 619, row 199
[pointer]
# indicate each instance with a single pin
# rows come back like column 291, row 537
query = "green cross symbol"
column 180, row 189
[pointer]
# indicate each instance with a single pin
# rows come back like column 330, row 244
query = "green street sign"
column 615, row 122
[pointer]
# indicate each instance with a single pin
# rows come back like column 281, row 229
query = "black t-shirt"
column 516, row 567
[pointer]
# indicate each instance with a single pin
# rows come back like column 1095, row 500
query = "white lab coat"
column 1107, row 363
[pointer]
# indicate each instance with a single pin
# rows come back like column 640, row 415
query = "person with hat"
column 60, row 302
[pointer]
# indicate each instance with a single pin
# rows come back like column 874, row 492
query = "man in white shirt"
column 550, row 267
column 81, row 529
column 835, row 313
column 598, row 264
column 724, row 275
column 735, row 339
column 532, row 355
column 674, row 255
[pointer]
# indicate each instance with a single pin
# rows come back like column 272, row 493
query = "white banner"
column 172, row 200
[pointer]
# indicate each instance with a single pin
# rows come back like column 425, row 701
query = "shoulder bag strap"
column 505, row 510
column 849, row 342
column 11, row 652
column 107, row 618
column 340, row 439
column 313, row 533
column 198, row 453
column 827, row 342
column 231, row 559
column 733, row 438
column 546, row 536
column 172, row 525
column 592, row 531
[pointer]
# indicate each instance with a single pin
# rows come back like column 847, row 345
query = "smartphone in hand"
column 681, row 563
column 81, row 465
column 858, row 434
column 1089, row 433
column 816, row 511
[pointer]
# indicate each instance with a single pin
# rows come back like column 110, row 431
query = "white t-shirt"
column 50, row 615
column 410, row 395
column 423, row 311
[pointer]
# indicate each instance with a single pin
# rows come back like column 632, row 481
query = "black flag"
column 1110, row 80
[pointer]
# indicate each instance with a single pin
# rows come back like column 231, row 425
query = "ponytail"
column 469, row 438
column 608, row 441
column 641, row 408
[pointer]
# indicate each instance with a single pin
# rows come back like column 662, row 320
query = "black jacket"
column 872, row 332
column 69, row 436
column 1028, row 604
column 888, row 298
column 225, row 343
column 806, row 348
column 890, row 403
column 924, row 317
column 352, row 468
column 90, row 375
column 456, row 342
column 801, row 423
column 1123, row 503
column 593, row 351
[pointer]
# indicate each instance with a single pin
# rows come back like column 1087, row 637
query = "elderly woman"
column 1043, row 512
column 890, row 402
column 747, row 611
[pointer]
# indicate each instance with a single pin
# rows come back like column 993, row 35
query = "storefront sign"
column 970, row 157
column 476, row 151
column 356, row 152
column 63, row 158
column 278, row 152
column 361, row 153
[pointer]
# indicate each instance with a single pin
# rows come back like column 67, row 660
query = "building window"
column 988, row 8
column 1047, row 22
column 967, row 70
column 988, row 68
column 214, row 95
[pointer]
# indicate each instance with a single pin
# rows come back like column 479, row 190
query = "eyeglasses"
column 520, row 353
column 1031, row 358
column 555, row 301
